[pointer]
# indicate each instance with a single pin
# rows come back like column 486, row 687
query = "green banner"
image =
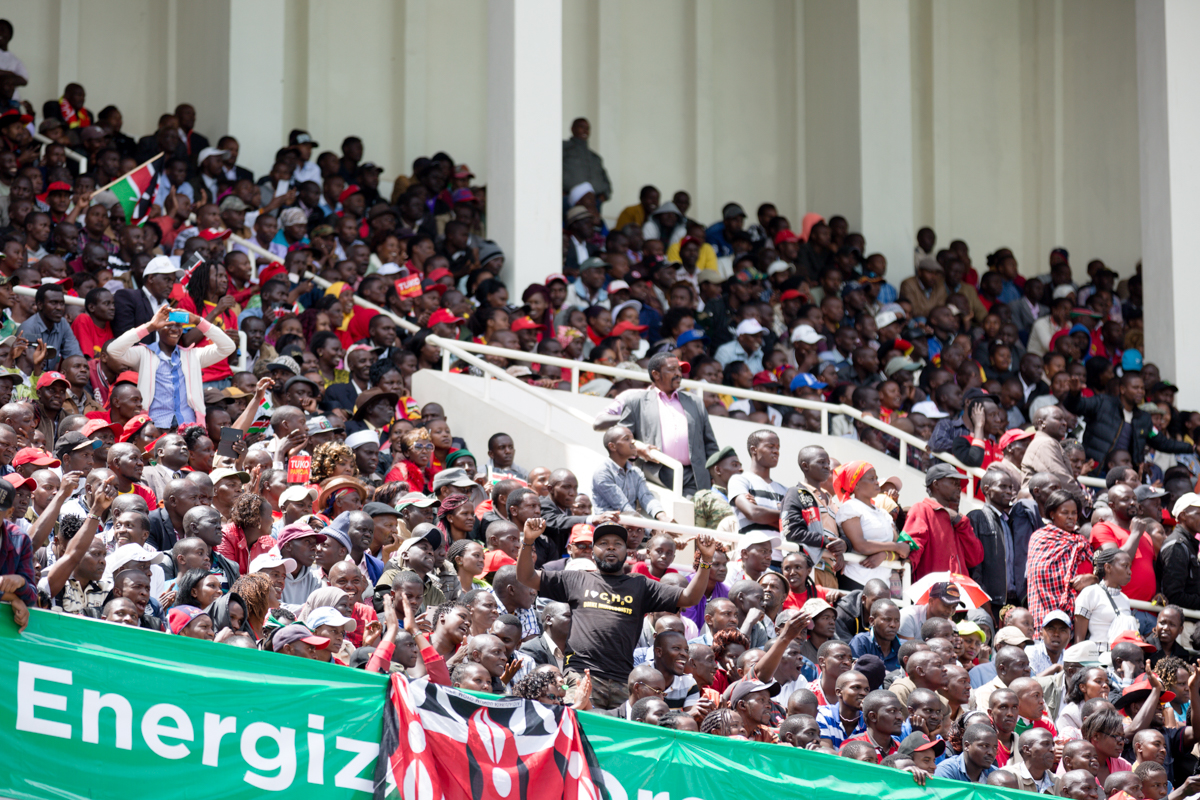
column 108, row 712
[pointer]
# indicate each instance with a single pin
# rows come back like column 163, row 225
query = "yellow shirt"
column 631, row 214
column 706, row 260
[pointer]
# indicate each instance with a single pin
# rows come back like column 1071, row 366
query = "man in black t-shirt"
column 607, row 606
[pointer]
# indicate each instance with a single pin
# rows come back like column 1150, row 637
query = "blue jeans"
column 1146, row 622
column 219, row 385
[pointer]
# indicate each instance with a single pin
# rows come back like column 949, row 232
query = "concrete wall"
column 1023, row 113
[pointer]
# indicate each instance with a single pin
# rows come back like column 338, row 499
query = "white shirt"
column 1093, row 605
column 11, row 63
column 155, row 304
column 877, row 526
column 308, row 171
column 764, row 494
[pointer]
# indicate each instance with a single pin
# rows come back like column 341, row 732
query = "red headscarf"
column 847, row 476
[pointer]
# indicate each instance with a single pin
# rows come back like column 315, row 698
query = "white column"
column 885, row 130
column 524, row 166
column 68, row 47
column 416, row 83
column 256, row 105
column 1168, row 67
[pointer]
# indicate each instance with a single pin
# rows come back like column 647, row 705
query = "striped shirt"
column 764, row 494
column 683, row 693
column 829, row 722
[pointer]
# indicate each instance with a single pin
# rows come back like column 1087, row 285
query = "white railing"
column 905, row 439
column 629, row 520
column 1142, row 605
column 31, row 291
column 71, row 154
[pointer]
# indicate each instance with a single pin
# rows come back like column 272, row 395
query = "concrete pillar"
column 524, row 167
column 885, row 99
column 256, row 106
column 1168, row 75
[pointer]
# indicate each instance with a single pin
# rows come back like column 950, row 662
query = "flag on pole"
column 133, row 191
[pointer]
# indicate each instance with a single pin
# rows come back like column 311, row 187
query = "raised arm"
column 694, row 593
column 60, row 572
column 526, row 573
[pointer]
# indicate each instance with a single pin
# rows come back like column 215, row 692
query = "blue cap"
column 806, row 380
column 1131, row 361
column 689, row 336
column 1079, row 327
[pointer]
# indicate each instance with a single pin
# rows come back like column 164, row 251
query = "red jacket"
column 944, row 547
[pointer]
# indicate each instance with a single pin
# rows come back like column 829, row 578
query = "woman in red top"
column 207, row 290
column 1060, row 560
column 94, row 327
column 416, row 450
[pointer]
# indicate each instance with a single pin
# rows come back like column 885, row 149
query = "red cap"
column 59, row 186
column 296, row 246
column 128, row 376
column 792, row 294
column 349, row 190
column 581, row 533
column 688, row 240
column 626, row 325
column 133, row 426
column 786, row 235
column 764, row 377
column 12, row 114
column 433, row 286
column 438, row 274
column 35, row 456
column 556, row 276
column 495, row 559
column 215, row 234
column 463, row 171
column 1132, row 638
column 685, row 367
column 464, row 195
column 443, row 315
column 1015, row 435
column 17, row 482
column 92, row 426
column 51, row 377
column 526, row 324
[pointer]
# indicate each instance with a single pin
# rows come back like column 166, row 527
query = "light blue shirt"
column 733, row 351
column 170, row 391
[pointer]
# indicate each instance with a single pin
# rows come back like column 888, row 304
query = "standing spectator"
column 944, row 537
column 1060, row 559
column 809, row 513
column 1003, row 555
column 583, row 165
column 1045, row 452
column 712, row 505
column 672, row 421
column 134, row 307
column 169, row 373
column 1099, row 607
column 1125, row 531
column 755, row 497
column 17, row 583
column 1177, row 562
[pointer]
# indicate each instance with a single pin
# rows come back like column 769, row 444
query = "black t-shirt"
column 606, row 616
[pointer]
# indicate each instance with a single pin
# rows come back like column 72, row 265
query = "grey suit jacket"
column 640, row 415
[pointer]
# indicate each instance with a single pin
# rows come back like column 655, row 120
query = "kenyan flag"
column 134, row 192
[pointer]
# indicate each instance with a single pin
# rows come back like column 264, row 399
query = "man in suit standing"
column 136, row 307
column 672, row 421
column 551, row 647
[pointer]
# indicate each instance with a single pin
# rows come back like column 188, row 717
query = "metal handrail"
column 629, row 520
column 71, row 154
column 1142, row 605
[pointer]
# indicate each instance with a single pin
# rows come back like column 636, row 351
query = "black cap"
column 73, row 440
column 7, row 494
column 610, row 529
column 301, row 379
column 380, row 509
column 939, row 471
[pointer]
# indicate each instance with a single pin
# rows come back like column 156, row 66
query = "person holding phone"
column 169, row 373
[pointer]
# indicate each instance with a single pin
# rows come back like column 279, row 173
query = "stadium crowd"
column 285, row 490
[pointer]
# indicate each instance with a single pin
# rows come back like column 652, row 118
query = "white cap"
column 225, row 472
column 296, row 493
column 1062, row 290
column 160, row 265
column 127, row 554
column 777, row 266
column 749, row 327
column 805, row 333
column 1087, row 653
column 357, row 440
column 390, row 268
column 1185, row 502
column 929, row 409
column 885, row 318
column 1056, row 616
column 758, row 537
column 328, row 615
column 815, row 606
column 616, row 286
column 210, row 151
column 271, row 559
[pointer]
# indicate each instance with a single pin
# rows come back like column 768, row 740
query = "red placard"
column 298, row 469
column 409, row 286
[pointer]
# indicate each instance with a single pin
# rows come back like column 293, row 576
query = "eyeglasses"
column 657, row 692
column 426, row 446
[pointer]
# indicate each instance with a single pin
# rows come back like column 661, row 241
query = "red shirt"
column 796, row 600
column 362, row 614
column 944, row 547
column 233, row 546
column 880, row 753
column 144, row 493
column 90, row 335
column 1141, row 585
column 226, row 322
column 408, row 472
column 360, row 324
column 642, row 568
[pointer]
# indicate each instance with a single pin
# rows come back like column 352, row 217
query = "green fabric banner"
column 108, row 712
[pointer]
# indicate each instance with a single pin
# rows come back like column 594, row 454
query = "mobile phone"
column 178, row 316
column 228, row 437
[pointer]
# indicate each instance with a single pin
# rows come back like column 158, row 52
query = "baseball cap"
column 1144, row 492
column 1011, row 634
column 218, row 475
column 929, row 263
column 885, row 318
column 270, row 559
column 758, row 537
column 297, row 493
column 35, row 456
column 917, row 742
column 1131, row 638
column 328, row 615
column 71, row 441
column 815, row 606
column 527, row 324
column 1086, row 653
column 92, row 426
column 133, row 426
column 179, row 617
column 947, row 592
column 806, row 380
column 210, row 151
column 625, row 325
column 581, row 532
column 285, row 362
column 453, row 477
column 610, row 529
column 749, row 327
column 1014, row 435
column 297, row 530
column 873, row 667
column 233, row 203
column 732, row 210
column 748, row 686
column 792, row 294
column 693, row 335
column 786, row 235
column 289, row 634
column 968, row 628
column 319, row 423
column 160, row 265
column 764, row 378
column 443, row 315
column 1056, row 616
column 52, row 377
column 805, row 333
column 929, row 409
column 719, row 456
column 1184, row 503
column 7, row 492
column 555, row 276
column 939, row 471
column 414, row 499
column 901, row 363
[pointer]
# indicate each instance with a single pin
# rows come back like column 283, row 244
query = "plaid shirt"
column 1055, row 557
column 16, row 558
column 829, row 722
